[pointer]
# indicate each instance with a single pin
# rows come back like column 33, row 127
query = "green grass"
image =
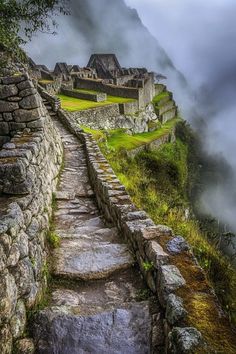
column 97, row 134
column 75, row 104
column 45, row 81
column 159, row 97
column 119, row 139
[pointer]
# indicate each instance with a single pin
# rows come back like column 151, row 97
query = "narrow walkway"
column 95, row 305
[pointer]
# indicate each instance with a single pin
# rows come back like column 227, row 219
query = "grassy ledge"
column 72, row 104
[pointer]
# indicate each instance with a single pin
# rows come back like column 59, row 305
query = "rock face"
column 125, row 330
column 97, row 311
column 20, row 104
column 29, row 165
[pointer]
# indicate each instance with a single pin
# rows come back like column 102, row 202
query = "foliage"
column 148, row 266
column 53, row 239
column 19, row 20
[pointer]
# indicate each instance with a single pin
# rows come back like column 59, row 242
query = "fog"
column 200, row 39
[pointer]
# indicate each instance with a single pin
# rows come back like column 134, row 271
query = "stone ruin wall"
column 116, row 116
column 29, row 167
column 111, row 90
column 20, row 106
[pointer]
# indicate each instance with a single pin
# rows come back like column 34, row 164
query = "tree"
column 20, row 19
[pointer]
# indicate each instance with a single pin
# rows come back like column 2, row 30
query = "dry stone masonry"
column 20, row 106
column 94, row 306
column 29, row 165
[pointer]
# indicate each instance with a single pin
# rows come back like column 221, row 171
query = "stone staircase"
column 99, row 303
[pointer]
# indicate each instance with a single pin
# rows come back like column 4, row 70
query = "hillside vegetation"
column 160, row 182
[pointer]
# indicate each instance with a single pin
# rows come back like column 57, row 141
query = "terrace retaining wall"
column 96, row 97
column 29, row 166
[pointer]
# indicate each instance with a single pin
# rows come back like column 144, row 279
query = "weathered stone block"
column 156, row 254
column 30, row 102
column 6, row 242
column 13, row 79
column 177, row 245
column 184, row 340
column 13, row 256
column 3, row 140
column 18, row 321
column 169, row 280
column 174, row 309
column 14, row 126
column 24, row 276
column 26, row 84
column 24, row 115
column 36, row 124
column 14, row 99
column 13, row 220
column 4, row 128
column 27, row 92
column 8, row 90
column 8, row 295
column 8, row 106
column 3, row 258
column 5, row 340
column 25, row 346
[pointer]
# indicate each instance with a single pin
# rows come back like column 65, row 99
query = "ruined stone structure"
column 30, row 161
column 62, row 69
column 94, row 306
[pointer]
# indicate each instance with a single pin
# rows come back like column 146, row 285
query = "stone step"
column 76, row 259
column 65, row 330
column 104, row 294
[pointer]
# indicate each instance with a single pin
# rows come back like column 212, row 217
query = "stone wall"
column 111, row 90
column 96, row 97
column 147, row 92
column 29, row 167
column 143, row 94
column 20, row 106
column 168, row 115
column 110, row 117
column 129, row 107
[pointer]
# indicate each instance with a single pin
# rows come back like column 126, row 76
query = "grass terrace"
column 75, row 104
column 159, row 97
column 118, row 138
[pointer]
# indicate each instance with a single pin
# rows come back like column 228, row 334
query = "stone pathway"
column 94, row 306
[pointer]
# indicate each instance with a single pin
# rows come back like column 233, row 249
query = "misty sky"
column 199, row 35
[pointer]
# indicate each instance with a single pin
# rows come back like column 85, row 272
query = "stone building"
column 63, row 70
column 106, row 65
